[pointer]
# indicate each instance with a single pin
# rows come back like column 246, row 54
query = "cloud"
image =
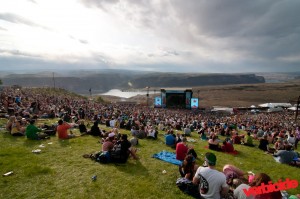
column 83, row 41
column 17, row 53
column 174, row 35
column 13, row 18
column 32, row 1
column 3, row 28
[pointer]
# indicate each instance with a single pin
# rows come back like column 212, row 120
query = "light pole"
column 147, row 95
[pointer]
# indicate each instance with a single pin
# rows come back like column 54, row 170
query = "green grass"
column 60, row 171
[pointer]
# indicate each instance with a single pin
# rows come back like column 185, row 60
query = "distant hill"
column 103, row 81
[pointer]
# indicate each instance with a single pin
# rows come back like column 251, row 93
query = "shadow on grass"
column 132, row 165
column 31, row 143
column 64, row 143
column 7, row 135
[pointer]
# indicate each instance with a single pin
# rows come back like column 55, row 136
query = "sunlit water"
column 119, row 93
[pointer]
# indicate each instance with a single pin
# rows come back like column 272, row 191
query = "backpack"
column 103, row 157
column 49, row 130
column 187, row 187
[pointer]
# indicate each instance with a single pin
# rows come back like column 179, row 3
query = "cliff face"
column 102, row 82
column 195, row 80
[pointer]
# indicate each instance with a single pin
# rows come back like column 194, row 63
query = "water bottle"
column 94, row 178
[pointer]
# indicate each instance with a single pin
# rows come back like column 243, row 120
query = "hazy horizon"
column 165, row 36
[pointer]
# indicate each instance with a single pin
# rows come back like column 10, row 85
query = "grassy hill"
column 60, row 171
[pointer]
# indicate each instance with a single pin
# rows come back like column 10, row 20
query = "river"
column 126, row 94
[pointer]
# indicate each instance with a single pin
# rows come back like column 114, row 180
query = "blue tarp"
column 167, row 157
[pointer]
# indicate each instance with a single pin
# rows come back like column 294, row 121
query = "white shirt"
column 239, row 193
column 211, row 182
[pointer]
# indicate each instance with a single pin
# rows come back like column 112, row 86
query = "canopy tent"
column 272, row 105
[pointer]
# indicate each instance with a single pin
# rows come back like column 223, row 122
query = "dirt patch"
column 243, row 95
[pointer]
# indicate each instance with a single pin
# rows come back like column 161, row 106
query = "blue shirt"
column 170, row 140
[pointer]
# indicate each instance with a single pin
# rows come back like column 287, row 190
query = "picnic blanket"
column 167, row 156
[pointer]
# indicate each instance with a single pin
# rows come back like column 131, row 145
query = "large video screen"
column 157, row 103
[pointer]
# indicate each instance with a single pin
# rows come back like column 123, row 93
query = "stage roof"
column 176, row 89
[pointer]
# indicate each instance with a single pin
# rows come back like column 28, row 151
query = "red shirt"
column 107, row 146
column 227, row 147
column 62, row 131
column 236, row 139
column 181, row 151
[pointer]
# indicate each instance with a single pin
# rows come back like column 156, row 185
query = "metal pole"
column 147, row 96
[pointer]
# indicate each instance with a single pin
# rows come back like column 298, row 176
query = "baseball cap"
column 211, row 158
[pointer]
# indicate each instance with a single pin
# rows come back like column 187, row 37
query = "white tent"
column 275, row 109
column 293, row 108
column 273, row 105
column 222, row 109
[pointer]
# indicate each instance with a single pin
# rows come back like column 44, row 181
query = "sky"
column 203, row 36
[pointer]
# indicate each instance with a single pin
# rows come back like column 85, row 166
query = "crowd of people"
column 23, row 106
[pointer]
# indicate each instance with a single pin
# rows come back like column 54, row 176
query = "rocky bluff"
column 102, row 81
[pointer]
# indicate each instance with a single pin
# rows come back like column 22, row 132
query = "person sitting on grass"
column 178, row 138
column 151, row 133
column 134, row 141
column 264, row 178
column 95, row 130
column 188, row 167
column 232, row 172
column 213, row 143
column 17, row 129
column 122, row 149
column 10, row 123
column 181, row 149
column 291, row 139
column 227, row 147
column 279, row 145
column 32, row 132
column 212, row 183
column 248, row 140
column 187, row 130
column 263, row 143
column 82, row 128
column 108, row 144
column 238, row 187
column 170, row 139
column 62, row 130
column 286, row 156
column 236, row 138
